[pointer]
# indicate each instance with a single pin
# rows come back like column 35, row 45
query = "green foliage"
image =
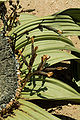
column 39, row 38
column 49, row 88
column 49, row 41
column 74, row 13
column 30, row 111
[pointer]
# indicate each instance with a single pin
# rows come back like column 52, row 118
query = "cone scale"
column 8, row 73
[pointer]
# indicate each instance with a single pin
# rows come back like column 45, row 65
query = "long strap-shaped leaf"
column 22, row 42
column 30, row 111
column 73, row 12
column 50, row 88
column 52, row 48
column 57, row 22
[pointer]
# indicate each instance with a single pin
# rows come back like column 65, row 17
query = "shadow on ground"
column 63, row 117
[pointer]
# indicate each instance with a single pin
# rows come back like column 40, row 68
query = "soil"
column 70, row 111
column 67, row 112
column 44, row 8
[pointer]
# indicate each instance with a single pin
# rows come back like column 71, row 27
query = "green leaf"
column 30, row 111
column 24, row 17
column 51, row 47
column 55, row 57
column 50, row 88
column 58, row 22
column 72, row 12
column 43, row 37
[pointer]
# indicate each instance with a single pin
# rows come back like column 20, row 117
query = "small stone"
column 28, row 5
column 69, row 105
column 66, row 2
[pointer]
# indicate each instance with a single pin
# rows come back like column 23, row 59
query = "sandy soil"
column 46, row 7
column 68, row 112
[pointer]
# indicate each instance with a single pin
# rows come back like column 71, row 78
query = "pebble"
column 69, row 105
column 66, row 2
